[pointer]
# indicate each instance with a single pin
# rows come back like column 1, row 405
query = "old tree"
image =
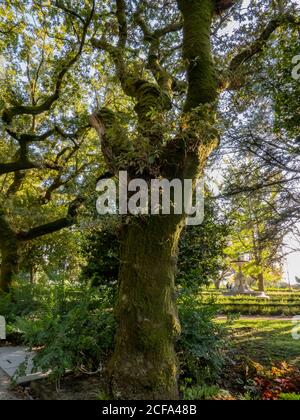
column 155, row 72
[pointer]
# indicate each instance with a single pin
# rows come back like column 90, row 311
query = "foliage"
column 75, row 332
column 52, row 259
column 70, row 59
column 277, row 304
column 280, row 379
column 23, row 300
column 102, row 249
column 73, row 327
column 285, row 105
column 201, row 251
column 289, row 397
column 254, row 232
column 204, row 392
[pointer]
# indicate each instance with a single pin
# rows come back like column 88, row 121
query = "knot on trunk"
column 151, row 97
column 114, row 138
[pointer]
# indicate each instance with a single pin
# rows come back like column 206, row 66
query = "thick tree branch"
column 113, row 137
column 59, row 181
column 164, row 79
column 122, row 22
column 31, row 138
column 117, row 53
column 258, row 45
column 22, row 165
column 54, row 226
column 16, row 184
column 197, row 52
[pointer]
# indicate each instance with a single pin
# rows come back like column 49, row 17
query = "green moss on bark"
column 198, row 15
column 144, row 365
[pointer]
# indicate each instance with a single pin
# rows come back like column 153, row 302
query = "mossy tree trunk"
column 9, row 263
column 144, row 365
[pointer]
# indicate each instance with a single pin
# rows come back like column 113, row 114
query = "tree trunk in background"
column 144, row 364
column 32, row 274
column 261, row 282
column 217, row 284
column 9, row 253
column 9, row 264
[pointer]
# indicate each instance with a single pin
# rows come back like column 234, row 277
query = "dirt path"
column 5, row 393
column 261, row 318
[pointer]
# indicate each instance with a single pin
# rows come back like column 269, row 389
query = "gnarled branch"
column 257, row 46
column 54, row 226
column 22, row 165
column 164, row 79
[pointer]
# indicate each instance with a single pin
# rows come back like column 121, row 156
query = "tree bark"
column 261, row 282
column 144, row 364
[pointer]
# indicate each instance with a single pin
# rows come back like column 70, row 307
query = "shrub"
column 102, row 251
column 204, row 392
column 23, row 300
column 202, row 342
column 74, row 329
column 289, row 397
column 281, row 379
column 278, row 304
column 79, row 339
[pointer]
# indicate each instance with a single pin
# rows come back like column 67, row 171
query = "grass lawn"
column 266, row 341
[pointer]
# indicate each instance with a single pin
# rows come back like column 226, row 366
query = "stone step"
column 11, row 358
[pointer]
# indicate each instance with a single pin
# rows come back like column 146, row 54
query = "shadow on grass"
column 266, row 342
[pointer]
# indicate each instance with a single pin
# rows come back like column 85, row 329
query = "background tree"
column 255, row 230
column 201, row 251
column 43, row 152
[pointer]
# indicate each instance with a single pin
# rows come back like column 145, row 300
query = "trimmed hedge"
column 287, row 304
